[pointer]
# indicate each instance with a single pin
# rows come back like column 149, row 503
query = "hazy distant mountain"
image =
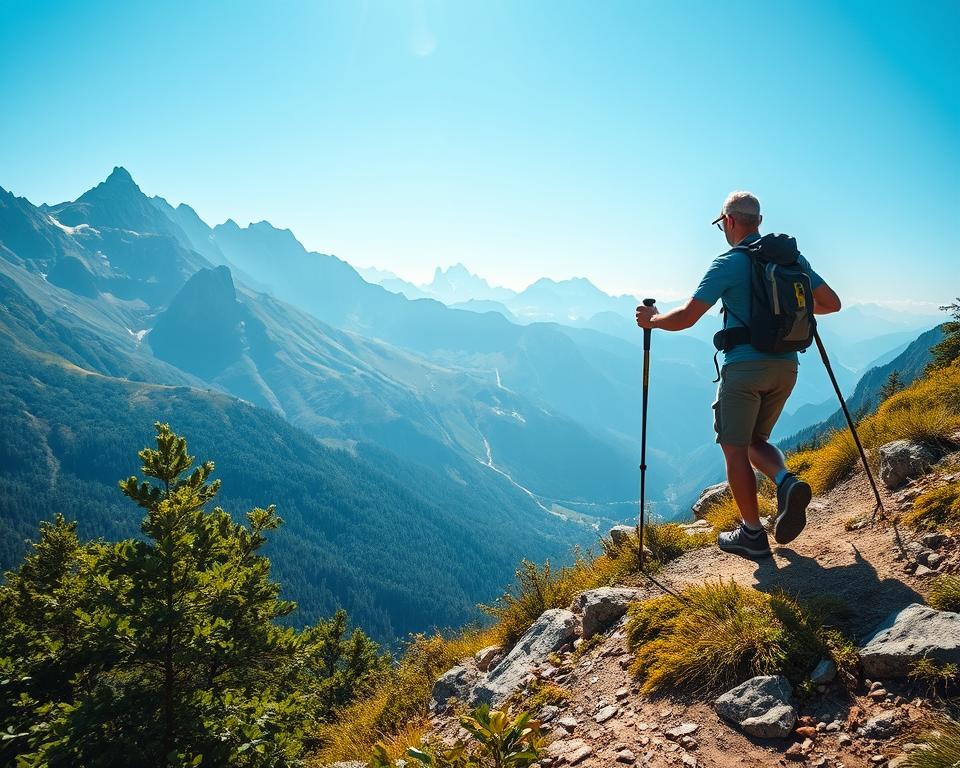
column 457, row 284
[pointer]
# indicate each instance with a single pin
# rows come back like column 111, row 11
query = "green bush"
column 945, row 593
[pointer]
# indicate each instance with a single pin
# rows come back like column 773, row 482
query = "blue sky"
column 524, row 139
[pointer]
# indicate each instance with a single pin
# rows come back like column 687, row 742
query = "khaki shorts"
column 750, row 398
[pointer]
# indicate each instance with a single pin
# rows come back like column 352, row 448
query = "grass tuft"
column 945, row 593
column 935, row 508
column 940, row 747
column 715, row 635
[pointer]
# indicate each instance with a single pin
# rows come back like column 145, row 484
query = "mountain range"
column 502, row 426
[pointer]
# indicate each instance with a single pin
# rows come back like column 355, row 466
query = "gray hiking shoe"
column 745, row 542
column 793, row 495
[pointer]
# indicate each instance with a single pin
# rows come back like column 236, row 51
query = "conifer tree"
column 891, row 386
column 166, row 651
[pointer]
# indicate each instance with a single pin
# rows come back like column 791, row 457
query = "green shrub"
column 715, row 635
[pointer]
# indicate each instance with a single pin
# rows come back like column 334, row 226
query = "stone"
column 878, row 694
column 932, row 540
column 824, row 672
column 795, row 752
column 760, row 706
column 711, row 497
column 486, row 656
column 579, row 755
column 933, row 560
column 908, row 635
column 568, row 723
column 626, row 756
column 606, row 713
column 886, row 725
column 548, row 713
column 901, row 460
column 549, row 632
column 684, row 729
column 621, row 534
column 689, row 760
column 689, row 743
column 844, row 739
column 601, row 608
column 922, row 570
column 455, row 683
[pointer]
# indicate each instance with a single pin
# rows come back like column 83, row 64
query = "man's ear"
column 761, row 220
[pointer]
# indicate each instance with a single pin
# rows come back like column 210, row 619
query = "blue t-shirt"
column 728, row 279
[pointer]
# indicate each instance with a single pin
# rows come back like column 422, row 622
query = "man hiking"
column 754, row 384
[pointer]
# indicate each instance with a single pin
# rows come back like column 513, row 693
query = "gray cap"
column 744, row 203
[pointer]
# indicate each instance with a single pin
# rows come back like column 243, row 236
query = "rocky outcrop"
column 486, row 657
column 455, row 683
column 551, row 631
column 907, row 636
column 902, row 460
column 601, row 608
column 761, row 707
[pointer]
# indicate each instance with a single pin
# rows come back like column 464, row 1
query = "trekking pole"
column 856, row 439
column 643, row 429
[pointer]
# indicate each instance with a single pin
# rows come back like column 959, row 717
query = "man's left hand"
column 644, row 314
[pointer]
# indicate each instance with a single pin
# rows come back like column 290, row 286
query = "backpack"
column 781, row 300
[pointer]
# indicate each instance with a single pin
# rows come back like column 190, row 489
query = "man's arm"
column 678, row 319
column 825, row 300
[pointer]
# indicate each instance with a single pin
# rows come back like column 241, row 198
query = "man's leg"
column 767, row 458
column 743, row 483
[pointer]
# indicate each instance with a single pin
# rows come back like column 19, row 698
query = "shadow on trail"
column 869, row 597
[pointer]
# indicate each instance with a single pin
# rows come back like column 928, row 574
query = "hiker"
column 754, row 385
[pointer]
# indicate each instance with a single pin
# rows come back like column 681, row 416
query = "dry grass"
column 927, row 411
column 725, row 516
column 945, row 593
column 396, row 712
column 935, row 508
column 941, row 742
column 717, row 635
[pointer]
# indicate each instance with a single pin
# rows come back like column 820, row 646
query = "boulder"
column 761, row 707
column 908, row 635
column 552, row 630
column 603, row 607
column 710, row 497
column 455, row 683
column 621, row 534
column 903, row 459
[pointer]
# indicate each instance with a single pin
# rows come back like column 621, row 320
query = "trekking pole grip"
column 646, row 331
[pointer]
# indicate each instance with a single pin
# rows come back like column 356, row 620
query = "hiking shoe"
column 745, row 542
column 793, row 495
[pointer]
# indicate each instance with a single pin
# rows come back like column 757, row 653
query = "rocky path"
column 606, row 722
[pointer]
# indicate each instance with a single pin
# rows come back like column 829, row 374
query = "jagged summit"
column 120, row 176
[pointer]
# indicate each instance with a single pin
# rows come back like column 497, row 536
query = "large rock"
column 903, row 459
column 621, row 534
column 908, row 635
column 455, row 683
column 552, row 630
column 711, row 497
column 761, row 707
column 601, row 608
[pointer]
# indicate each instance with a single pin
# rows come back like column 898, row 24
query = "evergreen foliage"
column 166, row 650
column 948, row 350
column 891, row 386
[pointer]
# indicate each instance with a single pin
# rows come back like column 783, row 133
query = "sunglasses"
column 720, row 222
